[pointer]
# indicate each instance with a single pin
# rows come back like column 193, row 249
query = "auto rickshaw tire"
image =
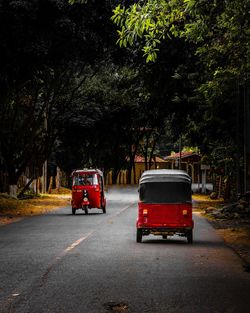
column 190, row 236
column 73, row 211
column 164, row 236
column 104, row 209
column 138, row 235
column 86, row 210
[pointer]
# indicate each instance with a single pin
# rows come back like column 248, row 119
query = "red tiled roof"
column 141, row 159
column 183, row 155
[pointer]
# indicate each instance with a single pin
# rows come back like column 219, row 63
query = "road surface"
column 59, row 263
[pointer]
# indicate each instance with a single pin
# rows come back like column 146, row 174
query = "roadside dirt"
column 235, row 231
column 13, row 210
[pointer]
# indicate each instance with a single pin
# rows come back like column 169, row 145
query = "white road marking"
column 76, row 243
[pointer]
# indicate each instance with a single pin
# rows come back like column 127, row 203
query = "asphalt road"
column 59, row 263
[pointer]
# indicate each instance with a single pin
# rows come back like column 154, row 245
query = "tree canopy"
column 218, row 36
column 69, row 85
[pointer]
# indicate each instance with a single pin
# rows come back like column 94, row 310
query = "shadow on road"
column 77, row 214
column 167, row 242
column 196, row 243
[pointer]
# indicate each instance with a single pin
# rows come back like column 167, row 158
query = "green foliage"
column 77, row 1
column 151, row 21
column 221, row 29
column 190, row 149
column 225, row 43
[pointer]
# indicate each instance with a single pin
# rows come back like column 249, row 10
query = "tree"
column 218, row 33
column 105, row 121
column 46, row 47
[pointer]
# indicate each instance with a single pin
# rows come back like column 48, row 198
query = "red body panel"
column 176, row 216
column 94, row 196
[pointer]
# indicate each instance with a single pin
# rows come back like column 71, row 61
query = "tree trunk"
column 129, row 176
column 227, row 191
column 115, row 173
column 50, row 184
column 145, row 152
column 26, row 187
column 38, row 185
column 12, row 181
column 44, row 177
column 58, row 179
column 134, row 171
column 131, row 167
column 13, row 191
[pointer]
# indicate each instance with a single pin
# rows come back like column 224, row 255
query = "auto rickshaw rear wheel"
column 138, row 235
column 73, row 211
column 104, row 209
column 190, row 236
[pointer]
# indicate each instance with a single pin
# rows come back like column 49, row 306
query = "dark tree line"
column 67, row 88
column 46, row 49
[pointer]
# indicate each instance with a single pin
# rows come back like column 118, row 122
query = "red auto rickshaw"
column 165, row 204
column 88, row 190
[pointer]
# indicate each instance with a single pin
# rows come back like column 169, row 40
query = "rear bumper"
column 165, row 230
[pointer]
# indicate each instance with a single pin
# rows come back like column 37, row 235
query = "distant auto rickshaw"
column 165, row 204
column 88, row 190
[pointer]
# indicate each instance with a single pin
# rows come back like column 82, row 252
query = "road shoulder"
column 234, row 229
column 14, row 210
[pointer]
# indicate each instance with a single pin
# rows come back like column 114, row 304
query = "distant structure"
column 187, row 161
column 139, row 168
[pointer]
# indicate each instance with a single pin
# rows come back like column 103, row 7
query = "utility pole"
column 44, row 180
column 238, row 138
column 246, row 136
column 180, row 148
column 45, row 165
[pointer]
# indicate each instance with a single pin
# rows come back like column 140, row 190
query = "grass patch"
column 236, row 235
column 35, row 206
column 61, row 191
column 201, row 202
